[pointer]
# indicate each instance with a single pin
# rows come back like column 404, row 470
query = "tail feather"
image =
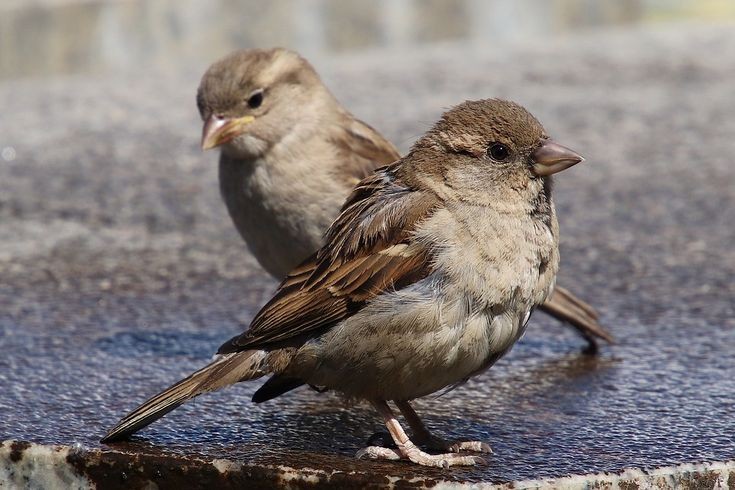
column 566, row 307
column 568, row 297
column 227, row 370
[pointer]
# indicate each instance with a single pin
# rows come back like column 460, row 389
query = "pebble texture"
column 120, row 271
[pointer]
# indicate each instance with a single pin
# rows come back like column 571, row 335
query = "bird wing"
column 361, row 149
column 370, row 249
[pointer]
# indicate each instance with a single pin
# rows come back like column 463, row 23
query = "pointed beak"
column 219, row 130
column 551, row 158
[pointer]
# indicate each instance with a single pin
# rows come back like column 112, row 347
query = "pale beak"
column 219, row 130
column 551, row 158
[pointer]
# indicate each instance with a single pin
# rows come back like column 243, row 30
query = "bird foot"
column 438, row 444
column 378, row 452
column 431, row 442
column 412, row 453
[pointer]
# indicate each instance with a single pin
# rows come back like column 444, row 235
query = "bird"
column 290, row 156
column 427, row 277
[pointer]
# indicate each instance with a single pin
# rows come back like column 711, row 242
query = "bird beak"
column 219, row 130
column 551, row 158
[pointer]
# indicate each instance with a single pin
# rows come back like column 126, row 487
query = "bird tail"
column 566, row 307
column 226, row 370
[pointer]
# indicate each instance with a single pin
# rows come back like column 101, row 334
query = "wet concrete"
column 120, row 271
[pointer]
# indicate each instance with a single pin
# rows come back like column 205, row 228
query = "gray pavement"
column 120, row 272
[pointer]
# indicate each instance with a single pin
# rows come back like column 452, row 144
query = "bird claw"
column 438, row 444
column 474, row 446
column 378, row 452
column 417, row 456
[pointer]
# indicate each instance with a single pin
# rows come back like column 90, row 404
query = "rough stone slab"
column 44, row 466
column 120, row 271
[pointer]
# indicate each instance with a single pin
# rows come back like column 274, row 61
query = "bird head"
column 252, row 99
column 490, row 143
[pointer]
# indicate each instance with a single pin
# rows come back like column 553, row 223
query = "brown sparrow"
column 291, row 154
column 427, row 277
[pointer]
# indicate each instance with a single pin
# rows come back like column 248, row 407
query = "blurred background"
column 48, row 37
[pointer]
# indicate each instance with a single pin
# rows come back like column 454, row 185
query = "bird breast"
column 440, row 330
column 280, row 213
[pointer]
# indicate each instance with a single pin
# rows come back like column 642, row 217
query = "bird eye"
column 255, row 99
column 498, row 152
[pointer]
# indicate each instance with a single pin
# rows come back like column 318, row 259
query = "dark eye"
column 255, row 99
column 498, row 151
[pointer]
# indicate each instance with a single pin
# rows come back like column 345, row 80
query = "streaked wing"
column 370, row 249
column 360, row 149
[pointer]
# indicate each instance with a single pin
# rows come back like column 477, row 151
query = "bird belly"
column 407, row 344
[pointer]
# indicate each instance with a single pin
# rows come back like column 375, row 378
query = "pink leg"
column 424, row 437
column 407, row 449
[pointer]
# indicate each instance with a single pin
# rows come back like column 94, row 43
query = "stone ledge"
column 41, row 466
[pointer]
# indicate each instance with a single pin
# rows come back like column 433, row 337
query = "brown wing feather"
column 361, row 149
column 369, row 250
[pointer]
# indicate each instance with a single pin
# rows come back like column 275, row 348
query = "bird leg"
column 424, row 437
column 407, row 449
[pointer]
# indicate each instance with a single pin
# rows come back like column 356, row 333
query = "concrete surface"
column 120, row 272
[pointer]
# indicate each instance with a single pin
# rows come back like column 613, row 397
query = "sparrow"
column 427, row 277
column 291, row 154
